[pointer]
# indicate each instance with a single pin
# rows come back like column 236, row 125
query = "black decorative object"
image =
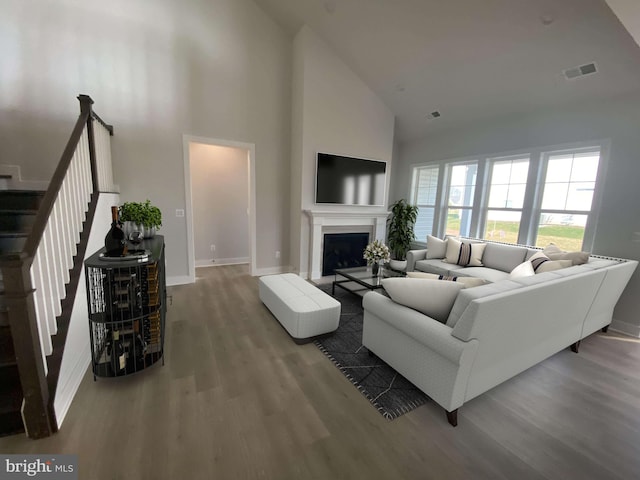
column 375, row 268
column 114, row 243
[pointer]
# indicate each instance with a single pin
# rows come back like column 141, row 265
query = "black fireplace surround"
column 343, row 250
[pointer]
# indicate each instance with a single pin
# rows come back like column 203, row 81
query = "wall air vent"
column 580, row 71
column 433, row 115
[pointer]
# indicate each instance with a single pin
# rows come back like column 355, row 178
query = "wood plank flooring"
column 238, row 399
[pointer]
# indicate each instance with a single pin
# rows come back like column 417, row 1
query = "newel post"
column 39, row 421
column 85, row 108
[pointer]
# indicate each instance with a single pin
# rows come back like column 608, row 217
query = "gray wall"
column 220, row 195
column 334, row 111
column 617, row 119
column 157, row 69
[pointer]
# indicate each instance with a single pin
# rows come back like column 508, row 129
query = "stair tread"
column 22, row 192
column 13, row 234
column 13, row 211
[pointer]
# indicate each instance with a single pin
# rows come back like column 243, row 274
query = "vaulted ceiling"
column 471, row 60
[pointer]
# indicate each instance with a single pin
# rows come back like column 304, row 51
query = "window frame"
column 532, row 205
column 414, row 192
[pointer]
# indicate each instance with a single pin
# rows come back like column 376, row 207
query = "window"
column 507, row 187
column 424, row 196
column 536, row 197
column 460, row 195
column 567, row 198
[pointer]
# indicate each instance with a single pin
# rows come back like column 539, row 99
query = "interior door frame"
column 251, row 153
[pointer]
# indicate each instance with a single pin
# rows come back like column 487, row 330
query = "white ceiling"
column 473, row 60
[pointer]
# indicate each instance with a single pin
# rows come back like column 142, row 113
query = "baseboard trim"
column 222, row 261
column 180, row 280
column 66, row 394
column 625, row 328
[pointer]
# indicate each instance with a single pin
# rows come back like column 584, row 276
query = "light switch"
column 179, row 212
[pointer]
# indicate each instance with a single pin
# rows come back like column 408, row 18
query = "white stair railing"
column 40, row 273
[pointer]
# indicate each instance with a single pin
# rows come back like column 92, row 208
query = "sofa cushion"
column 555, row 253
column 431, row 297
column 466, row 254
column 466, row 296
column 525, row 269
column 503, row 257
column 468, row 282
column 541, row 263
column 489, row 274
column 436, row 248
column 437, row 266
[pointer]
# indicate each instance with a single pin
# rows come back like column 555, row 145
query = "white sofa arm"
column 429, row 332
column 413, row 256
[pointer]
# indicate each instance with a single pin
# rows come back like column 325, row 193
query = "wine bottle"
column 118, row 355
column 114, row 242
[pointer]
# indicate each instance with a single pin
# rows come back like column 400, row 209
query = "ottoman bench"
column 301, row 308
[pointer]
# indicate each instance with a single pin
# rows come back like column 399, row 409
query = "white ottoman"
column 301, row 308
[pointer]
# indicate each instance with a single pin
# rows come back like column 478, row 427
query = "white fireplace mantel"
column 320, row 220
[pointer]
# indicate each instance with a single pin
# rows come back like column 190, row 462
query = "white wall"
column 157, row 69
column 616, row 119
column 334, row 112
column 77, row 350
column 220, row 195
column 628, row 12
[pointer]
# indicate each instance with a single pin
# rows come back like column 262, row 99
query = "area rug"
column 387, row 390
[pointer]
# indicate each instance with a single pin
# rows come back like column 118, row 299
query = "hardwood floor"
column 238, row 399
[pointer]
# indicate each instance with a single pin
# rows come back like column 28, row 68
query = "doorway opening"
column 220, row 202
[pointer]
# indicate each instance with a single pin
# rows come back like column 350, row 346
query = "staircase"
column 18, row 209
column 43, row 239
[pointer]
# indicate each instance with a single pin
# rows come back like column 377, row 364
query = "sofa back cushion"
column 465, row 297
column 503, row 257
column 434, row 298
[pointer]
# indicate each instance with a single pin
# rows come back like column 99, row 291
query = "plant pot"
column 398, row 265
column 141, row 232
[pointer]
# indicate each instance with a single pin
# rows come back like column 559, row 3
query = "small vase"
column 375, row 268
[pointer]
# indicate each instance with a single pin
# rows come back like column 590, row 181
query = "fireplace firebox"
column 343, row 250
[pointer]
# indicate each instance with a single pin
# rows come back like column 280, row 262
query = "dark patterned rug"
column 387, row 390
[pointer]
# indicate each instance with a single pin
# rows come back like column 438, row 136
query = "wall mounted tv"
column 350, row 181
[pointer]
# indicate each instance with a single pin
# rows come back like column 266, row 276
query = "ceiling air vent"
column 580, row 71
column 434, row 114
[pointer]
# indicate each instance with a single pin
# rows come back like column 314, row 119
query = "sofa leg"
column 575, row 346
column 452, row 417
column 605, row 329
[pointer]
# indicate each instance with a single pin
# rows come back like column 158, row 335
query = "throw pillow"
column 464, row 253
column 430, row 297
column 436, row 248
column 541, row 263
column 525, row 269
column 555, row 253
column 468, row 282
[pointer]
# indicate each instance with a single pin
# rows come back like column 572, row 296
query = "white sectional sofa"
column 494, row 331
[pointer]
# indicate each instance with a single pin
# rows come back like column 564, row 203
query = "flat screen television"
column 350, row 181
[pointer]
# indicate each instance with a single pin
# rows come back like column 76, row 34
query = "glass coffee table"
column 361, row 279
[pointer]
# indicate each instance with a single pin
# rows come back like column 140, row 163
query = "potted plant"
column 143, row 218
column 400, row 232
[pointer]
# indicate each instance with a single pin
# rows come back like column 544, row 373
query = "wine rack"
column 126, row 298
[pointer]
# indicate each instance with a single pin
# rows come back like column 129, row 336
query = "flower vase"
column 375, row 268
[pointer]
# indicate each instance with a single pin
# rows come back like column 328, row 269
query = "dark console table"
column 126, row 297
